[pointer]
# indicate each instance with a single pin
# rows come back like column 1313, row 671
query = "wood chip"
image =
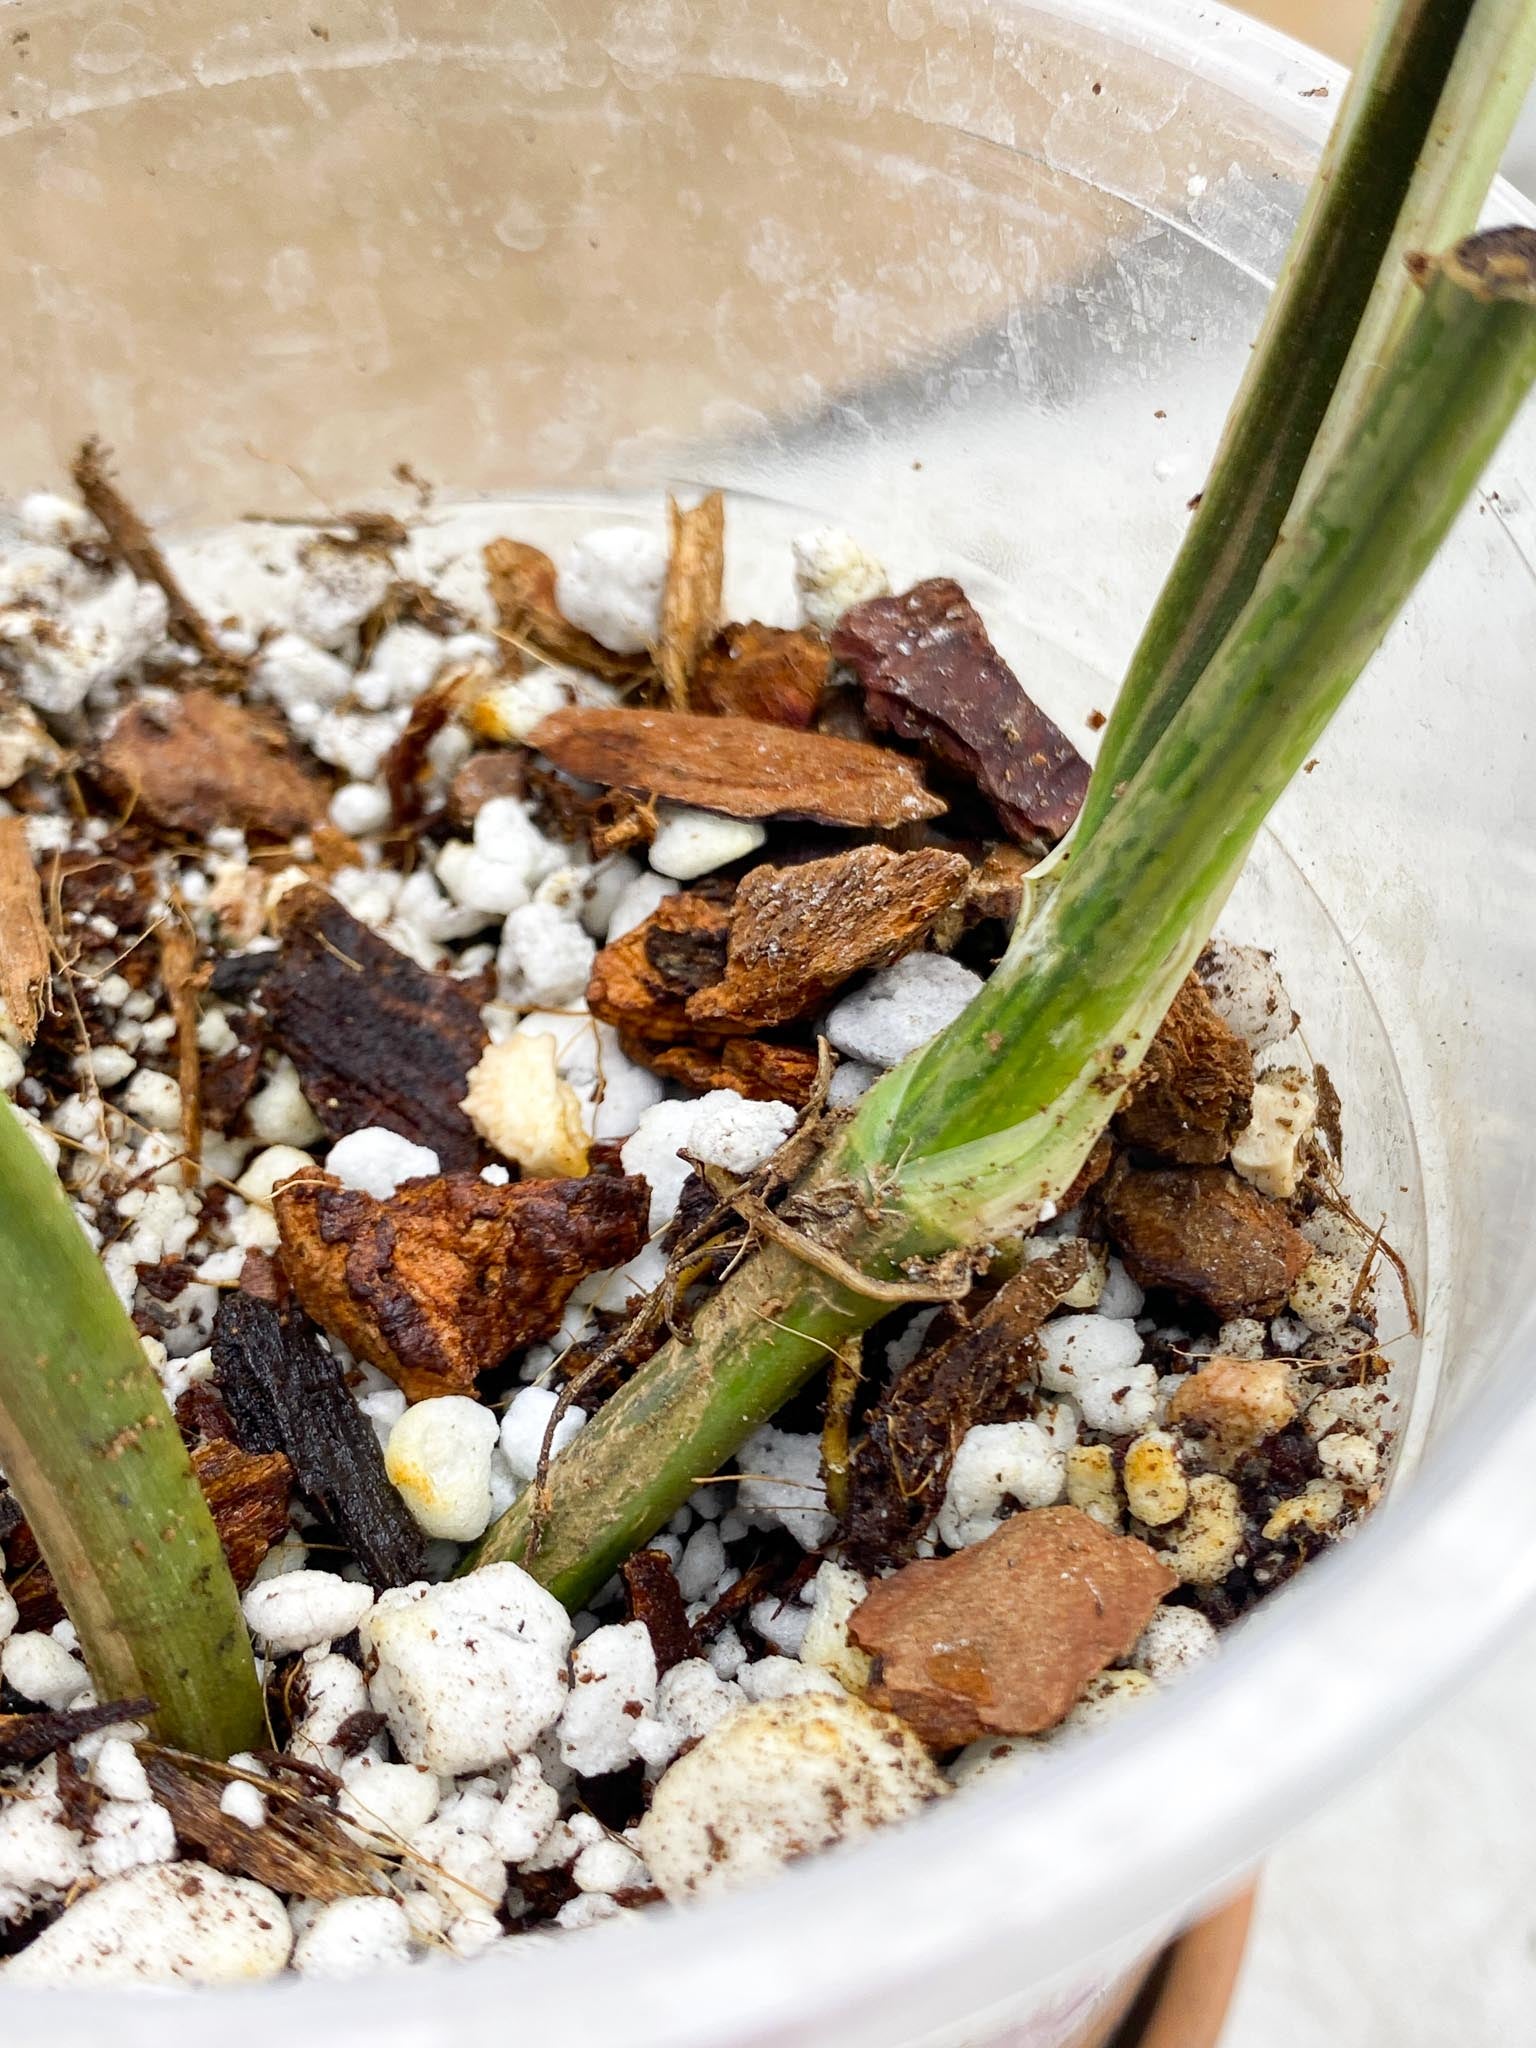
column 773, row 673
column 738, row 766
column 522, row 583
column 641, row 984
column 1001, row 1638
column 201, row 761
column 286, row 1392
column 901, row 1467
column 247, row 1493
column 300, row 1847
column 1193, row 1093
column 483, row 777
column 798, row 933
column 1203, row 1233
column 182, row 978
column 690, row 598
column 24, row 1738
column 375, row 1038
column 447, row 1277
column 930, row 673
column 757, row 1068
column 135, row 547
column 24, row 954
column 651, row 1588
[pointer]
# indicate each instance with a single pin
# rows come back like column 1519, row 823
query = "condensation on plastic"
column 976, row 281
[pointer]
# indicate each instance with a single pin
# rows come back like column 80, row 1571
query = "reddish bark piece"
column 1193, row 1094
column 1200, row 1231
column 641, row 983
column 930, row 673
column 899, row 1472
column 445, row 1278
column 1001, row 1638
column 690, row 600
column 754, row 1067
column 798, row 933
column 522, row 581
column 483, row 777
column 739, row 766
column 772, row 673
column 202, row 760
column 375, row 1038
column 655, row 1601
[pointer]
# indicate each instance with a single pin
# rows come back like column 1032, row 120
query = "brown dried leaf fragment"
column 1201, row 1232
column 642, row 982
column 1001, row 1638
column 448, row 1276
column 300, row 1847
column 1192, row 1096
column 690, row 598
column 285, row 1392
column 522, row 582
column 406, row 763
column 930, row 673
column 200, row 761
column 25, row 960
column 651, row 1588
column 135, row 547
column 901, row 1467
column 777, row 674
column 375, row 1038
column 24, row 1738
column 798, row 933
column 738, row 766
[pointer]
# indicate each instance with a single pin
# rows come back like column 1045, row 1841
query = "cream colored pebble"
column 1347, row 1455
column 1156, row 1487
column 1092, row 1483
column 518, row 1103
column 1207, row 1540
column 775, row 1781
column 1234, row 1403
column 1266, row 1153
column 1311, row 1512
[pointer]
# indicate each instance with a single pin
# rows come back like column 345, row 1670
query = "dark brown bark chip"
column 651, row 1587
column 375, row 1038
column 900, row 1469
column 442, row 1281
column 201, row 760
column 285, row 1392
column 930, row 673
column 773, row 673
column 1193, row 1095
column 1201, row 1232
column 798, row 933
column 1002, row 1637
column 24, row 1738
column 740, row 766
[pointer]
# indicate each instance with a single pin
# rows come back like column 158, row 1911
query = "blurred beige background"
column 1334, row 26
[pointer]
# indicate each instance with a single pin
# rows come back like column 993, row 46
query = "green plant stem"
column 1418, row 136
column 96, row 1460
column 993, row 1120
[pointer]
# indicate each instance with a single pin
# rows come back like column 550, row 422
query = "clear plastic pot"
column 975, row 281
